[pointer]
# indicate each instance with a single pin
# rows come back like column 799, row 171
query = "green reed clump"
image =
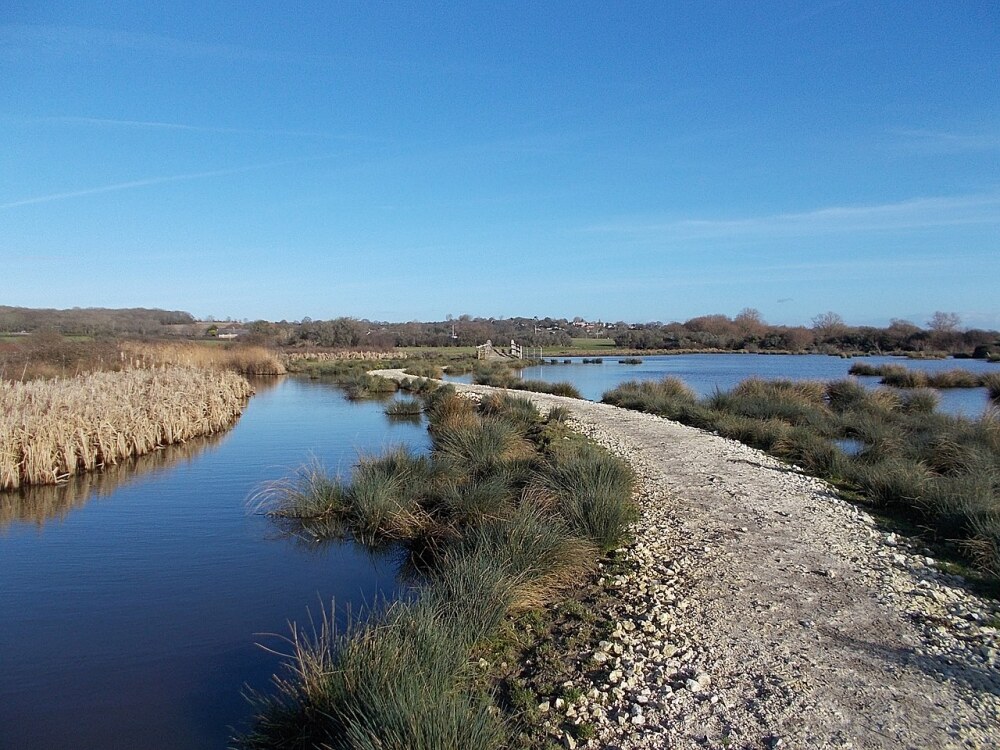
column 405, row 407
column 991, row 381
column 593, row 490
column 361, row 385
column 668, row 397
column 864, row 369
column 630, row 361
column 424, row 370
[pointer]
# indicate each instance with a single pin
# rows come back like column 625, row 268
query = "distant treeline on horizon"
column 746, row 331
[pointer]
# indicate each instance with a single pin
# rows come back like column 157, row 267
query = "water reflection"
column 39, row 504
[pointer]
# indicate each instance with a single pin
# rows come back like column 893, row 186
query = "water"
column 131, row 603
column 705, row 373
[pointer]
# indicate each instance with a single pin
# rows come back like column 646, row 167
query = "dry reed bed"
column 50, row 430
column 246, row 360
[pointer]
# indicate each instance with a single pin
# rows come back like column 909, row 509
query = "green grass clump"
column 537, row 552
column 405, row 407
column 384, row 494
column 361, row 385
column 669, row 397
column 425, row 370
column 540, row 386
column 920, row 401
column 991, row 381
column 864, row 369
column 397, row 682
column 593, row 492
column 419, row 386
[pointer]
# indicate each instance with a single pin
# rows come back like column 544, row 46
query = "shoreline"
column 759, row 609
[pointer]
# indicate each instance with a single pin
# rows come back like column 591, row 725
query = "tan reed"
column 53, row 429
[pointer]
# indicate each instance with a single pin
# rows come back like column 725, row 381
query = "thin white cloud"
column 939, row 141
column 916, row 213
column 22, row 38
column 155, row 181
column 178, row 126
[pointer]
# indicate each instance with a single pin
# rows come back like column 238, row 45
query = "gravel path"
column 759, row 610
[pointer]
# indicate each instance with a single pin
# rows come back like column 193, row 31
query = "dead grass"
column 53, row 429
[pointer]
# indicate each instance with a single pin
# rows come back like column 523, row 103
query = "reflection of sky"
column 135, row 618
column 706, row 372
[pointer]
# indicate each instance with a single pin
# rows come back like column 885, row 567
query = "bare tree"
column 944, row 322
column 828, row 324
column 750, row 322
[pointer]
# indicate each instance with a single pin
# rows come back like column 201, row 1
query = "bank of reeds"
column 53, row 429
column 508, row 510
column 937, row 471
column 250, row 361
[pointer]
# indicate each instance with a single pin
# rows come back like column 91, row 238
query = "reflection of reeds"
column 50, row 430
column 45, row 502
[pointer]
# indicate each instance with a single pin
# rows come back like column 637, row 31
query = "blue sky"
column 394, row 161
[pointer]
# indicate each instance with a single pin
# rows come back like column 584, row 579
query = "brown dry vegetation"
column 49, row 355
column 52, row 429
column 246, row 360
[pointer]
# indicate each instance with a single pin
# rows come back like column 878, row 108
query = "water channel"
column 132, row 602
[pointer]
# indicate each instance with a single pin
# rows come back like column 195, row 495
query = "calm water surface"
column 131, row 604
column 706, row 372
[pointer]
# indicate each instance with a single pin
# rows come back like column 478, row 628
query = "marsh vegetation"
column 502, row 375
column 507, row 510
column 938, row 471
column 52, row 429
